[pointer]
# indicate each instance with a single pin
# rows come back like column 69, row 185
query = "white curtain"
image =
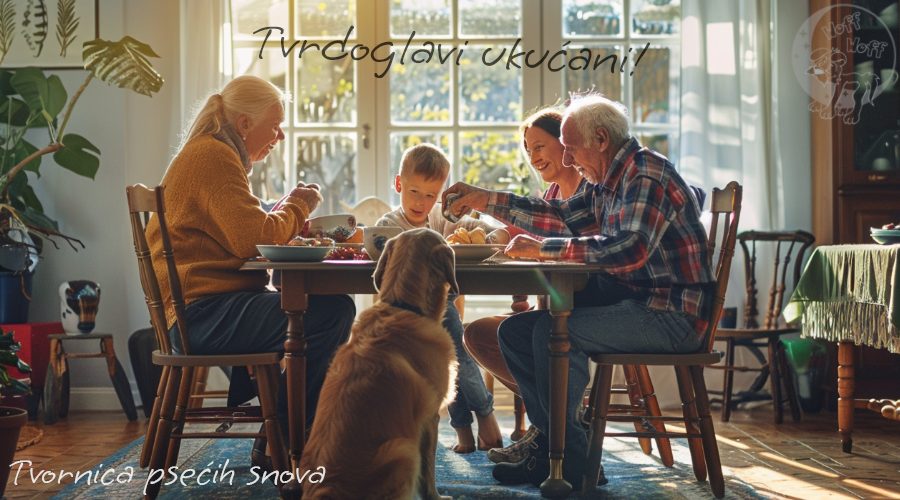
column 726, row 113
column 727, row 131
column 205, row 51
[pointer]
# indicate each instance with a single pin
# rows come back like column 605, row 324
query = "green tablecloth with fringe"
column 850, row 293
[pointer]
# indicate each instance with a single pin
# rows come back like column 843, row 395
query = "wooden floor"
column 801, row 460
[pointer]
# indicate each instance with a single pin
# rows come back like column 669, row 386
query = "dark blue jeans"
column 471, row 393
column 626, row 326
column 250, row 322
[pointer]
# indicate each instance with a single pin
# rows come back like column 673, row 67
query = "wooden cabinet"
column 856, row 166
column 855, row 153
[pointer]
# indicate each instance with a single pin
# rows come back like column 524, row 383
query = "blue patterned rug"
column 631, row 473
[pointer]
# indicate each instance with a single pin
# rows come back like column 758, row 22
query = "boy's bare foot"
column 465, row 440
column 489, row 432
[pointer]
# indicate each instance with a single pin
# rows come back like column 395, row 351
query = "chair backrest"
column 725, row 204
column 142, row 203
column 789, row 246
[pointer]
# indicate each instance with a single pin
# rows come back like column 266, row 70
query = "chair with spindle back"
column 788, row 250
column 172, row 407
column 726, row 203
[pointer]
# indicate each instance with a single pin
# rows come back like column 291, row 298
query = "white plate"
column 285, row 253
column 475, row 253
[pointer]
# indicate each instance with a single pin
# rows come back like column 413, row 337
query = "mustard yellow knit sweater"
column 215, row 223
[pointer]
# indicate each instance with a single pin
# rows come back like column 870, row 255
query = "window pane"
column 592, row 17
column 655, row 86
column 425, row 17
column 325, row 91
column 597, row 73
column 489, row 94
column 657, row 142
column 329, row 160
column 319, row 18
column 420, row 92
column 490, row 18
column 656, row 17
column 271, row 67
column 491, row 160
column 403, row 140
column 251, row 15
column 267, row 178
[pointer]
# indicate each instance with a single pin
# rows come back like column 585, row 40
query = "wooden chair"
column 642, row 403
column 726, row 203
column 789, row 250
column 172, row 408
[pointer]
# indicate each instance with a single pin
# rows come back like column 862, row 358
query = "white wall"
column 136, row 136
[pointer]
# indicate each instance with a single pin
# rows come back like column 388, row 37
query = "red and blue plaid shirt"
column 642, row 224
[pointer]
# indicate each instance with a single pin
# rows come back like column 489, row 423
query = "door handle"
column 365, row 137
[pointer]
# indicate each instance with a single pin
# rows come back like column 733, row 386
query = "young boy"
column 423, row 172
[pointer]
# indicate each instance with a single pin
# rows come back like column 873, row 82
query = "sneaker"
column 533, row 470
column 515, row 452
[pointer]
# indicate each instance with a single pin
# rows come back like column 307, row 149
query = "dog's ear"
column 382, row 263
column 445, row 260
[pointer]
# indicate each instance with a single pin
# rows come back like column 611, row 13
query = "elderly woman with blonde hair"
column 215, row 223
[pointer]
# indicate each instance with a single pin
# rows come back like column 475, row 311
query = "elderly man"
column 641, row 222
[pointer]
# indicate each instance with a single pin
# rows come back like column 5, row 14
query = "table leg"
column 555, row 486
column 846, row 386
column 294, row 302
column 295, row 366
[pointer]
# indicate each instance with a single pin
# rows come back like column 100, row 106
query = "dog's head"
column 416, row 268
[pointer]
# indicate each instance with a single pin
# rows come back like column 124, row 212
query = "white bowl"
column 338, row 227
column 375, row 237
column 475, row 253
column 286, row 253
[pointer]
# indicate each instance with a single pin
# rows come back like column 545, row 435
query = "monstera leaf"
column 123, row 63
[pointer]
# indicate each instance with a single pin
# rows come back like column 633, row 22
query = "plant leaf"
column 19, row 117
column 22, row 195
column 44, row 96
column 21, row 151
column 123, row 63
column 38, row 219
column 78, row 155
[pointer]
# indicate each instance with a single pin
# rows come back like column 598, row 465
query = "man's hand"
column 524, row 247
column 470, row 198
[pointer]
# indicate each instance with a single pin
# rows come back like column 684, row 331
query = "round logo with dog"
column 844, row 78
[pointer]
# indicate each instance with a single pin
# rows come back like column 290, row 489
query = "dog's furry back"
column 381, row 388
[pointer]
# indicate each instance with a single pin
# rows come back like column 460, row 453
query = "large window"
column 347, row 128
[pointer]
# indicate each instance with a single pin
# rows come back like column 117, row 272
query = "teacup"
column 375, row 237
column 338, row 227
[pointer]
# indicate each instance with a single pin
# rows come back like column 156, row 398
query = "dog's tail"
column 396, row 465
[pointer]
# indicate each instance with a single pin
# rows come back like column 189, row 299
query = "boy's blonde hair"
column 426, row 160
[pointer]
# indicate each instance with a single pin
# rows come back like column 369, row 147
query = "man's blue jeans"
column 626, row 326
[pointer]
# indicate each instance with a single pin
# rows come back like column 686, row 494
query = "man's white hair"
column 593, row 111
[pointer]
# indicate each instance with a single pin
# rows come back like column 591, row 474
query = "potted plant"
column 11, row 419
column 31, row 100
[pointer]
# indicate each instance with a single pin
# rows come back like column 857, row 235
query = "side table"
column 56, row 392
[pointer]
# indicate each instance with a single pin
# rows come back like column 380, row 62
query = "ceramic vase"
column 78, row 301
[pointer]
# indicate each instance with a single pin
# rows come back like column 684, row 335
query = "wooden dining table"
column 850, row 294
column 558, row 281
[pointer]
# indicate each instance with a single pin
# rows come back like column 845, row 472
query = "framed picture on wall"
column 46, row 33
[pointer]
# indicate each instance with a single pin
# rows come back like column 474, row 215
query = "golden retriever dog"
column 375, row 430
